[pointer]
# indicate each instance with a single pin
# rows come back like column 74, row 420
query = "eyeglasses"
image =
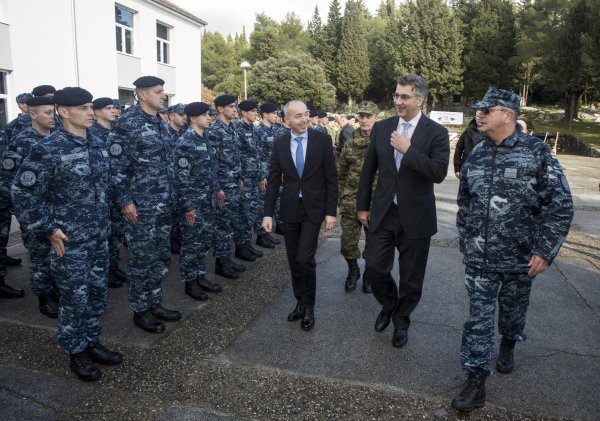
column 486, row 111
column 403, row 97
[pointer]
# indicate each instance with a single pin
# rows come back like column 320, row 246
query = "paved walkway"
column 236, row 357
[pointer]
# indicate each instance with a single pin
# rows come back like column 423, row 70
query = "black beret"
column 99, row 103
column 23, row 98
column 224, row 100
column 351, row 116
column 118, row 104
column 34, row 101
column 194, row 109
column 148, row 82
column 321, row 114
column 43, row 90
column 268, row 107
column 177, row 109
column 247, row 105
column 72, row 97
column 313, row 113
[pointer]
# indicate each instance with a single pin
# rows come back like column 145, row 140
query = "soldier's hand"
column 130, row 213
column 220, row 198
column 267, row 224
column 457, row 174
column 262, row 185
column 190, row 217
column 56, row 240
column 400, row 142
column 364, row 217
column 330, row 222
column 537, row 265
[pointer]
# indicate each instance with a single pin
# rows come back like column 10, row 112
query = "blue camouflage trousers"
column 227, row 222
column 196, row 241
column 117, row 233
column 4, row 232
column 248, row 213
column 40, row 250
column 149, row 249
column 81, row 276
column 484, row 288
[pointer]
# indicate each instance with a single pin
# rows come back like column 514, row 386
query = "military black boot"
column 224, row 268
column 263, row 241
column 145, row 320
column 505, row 362
column 118, row 273
column 113, row 280
column 353, row 275
column 366, row 287
column 242, row 252
column 6, row 291
column 472, row 396
column 82, row 365
column 209, row 286
column 48, row 306
column 273, row 239
column 254, row 251
column 193, row 289
column 12, row 261
column 238, row 267
column 100, row 354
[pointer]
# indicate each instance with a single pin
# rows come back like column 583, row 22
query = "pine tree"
column 331, row 40
column 316, row 33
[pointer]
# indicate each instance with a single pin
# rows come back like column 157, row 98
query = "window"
column 162, row 43
column 124, row 29
column 126, row 96
column 3, row 97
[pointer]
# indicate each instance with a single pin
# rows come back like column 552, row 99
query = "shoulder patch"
column 116, row 149
column 28, row 178
column 183, row 162
column 8, row 164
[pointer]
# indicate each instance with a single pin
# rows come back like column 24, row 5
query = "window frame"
column 162, row 43
column 123, row 31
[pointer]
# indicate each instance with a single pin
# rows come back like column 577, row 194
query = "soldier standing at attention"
column 265, row 133
column 225, row 143
column 105, row 116
column 323, row 122
column 177, row 126
column 195, row 182
column 41, row 111
column 143, row 182
column 349, row 168
column 22, row 121
column 61, row 189
column 514, row 213
column 251, row 177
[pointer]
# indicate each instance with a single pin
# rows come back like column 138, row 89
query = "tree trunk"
column 349, row 101
column 572, row 100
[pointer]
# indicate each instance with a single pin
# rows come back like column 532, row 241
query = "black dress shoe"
column 12, row 261
column 400, row 338
column 48, row 306
column 82, row 365
column 279, row 229
column 297, row 313
column 238, row 267
column 382, row 321
column 225, row 269
column 114, row 281
column 192, row 288
column 6, row 291
column 366, row 285
column 263, row 241
column 148, row 322
column 308, row 321
column 273, row 239
column 100, row 354
column 242, row 252
column 118, row 273
column 208, row 285
column 254, row 251
column 162, row 313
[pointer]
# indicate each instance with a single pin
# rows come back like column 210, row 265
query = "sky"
column 230, row 16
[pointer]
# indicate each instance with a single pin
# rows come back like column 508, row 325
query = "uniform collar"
column 79, row 140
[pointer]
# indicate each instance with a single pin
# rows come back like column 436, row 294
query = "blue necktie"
column 299, row 156
column 398, row 155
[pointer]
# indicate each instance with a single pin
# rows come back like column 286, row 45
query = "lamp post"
column 245, row 65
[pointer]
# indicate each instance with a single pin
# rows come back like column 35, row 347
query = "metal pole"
column 245, row 85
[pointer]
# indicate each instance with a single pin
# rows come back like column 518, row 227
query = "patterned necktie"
column 398, row 155
column 299, row 156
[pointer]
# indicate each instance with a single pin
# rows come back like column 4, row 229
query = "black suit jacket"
column 425, row 163
column 319, row 183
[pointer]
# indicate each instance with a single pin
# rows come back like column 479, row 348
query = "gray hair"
column 420, row 84
column 287, row 105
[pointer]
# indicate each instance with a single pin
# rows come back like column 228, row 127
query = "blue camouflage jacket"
column 513, row 201
column 17, row 126
column 142, row 170
column 100, row 132
column 266, row 137
column 63, row 184
column 249, row 151
column 225, row 143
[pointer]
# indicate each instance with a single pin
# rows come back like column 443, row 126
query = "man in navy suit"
column 411, row 152
column 303, row 161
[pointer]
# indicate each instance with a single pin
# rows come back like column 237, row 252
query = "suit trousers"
column 401, row 300
column 301, row 239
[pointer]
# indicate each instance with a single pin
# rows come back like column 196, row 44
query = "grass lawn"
column 586, row 132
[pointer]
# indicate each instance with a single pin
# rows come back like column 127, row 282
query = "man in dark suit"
column 306, row 163
column 411, row 152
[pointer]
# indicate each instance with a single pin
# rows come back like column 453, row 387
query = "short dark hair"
column 420, row 84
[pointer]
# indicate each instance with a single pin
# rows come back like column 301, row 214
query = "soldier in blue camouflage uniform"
column 195, row 178
column 6, row 291
column 265, row 133
column 280, row 129
column 177, row 126
column 41, row 109
column 143, row 179
column 350, row 165
column 226, row 145
column 319, row 127
column 105, row 115
column 251, row 178
column 514, row 213
column 61, row 189
column 22, row 121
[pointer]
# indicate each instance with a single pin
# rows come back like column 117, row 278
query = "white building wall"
column 42, row 37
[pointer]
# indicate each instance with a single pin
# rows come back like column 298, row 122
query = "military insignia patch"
column 28, row 178
column 8, row 164
column 183, row 162
column 116, row 149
